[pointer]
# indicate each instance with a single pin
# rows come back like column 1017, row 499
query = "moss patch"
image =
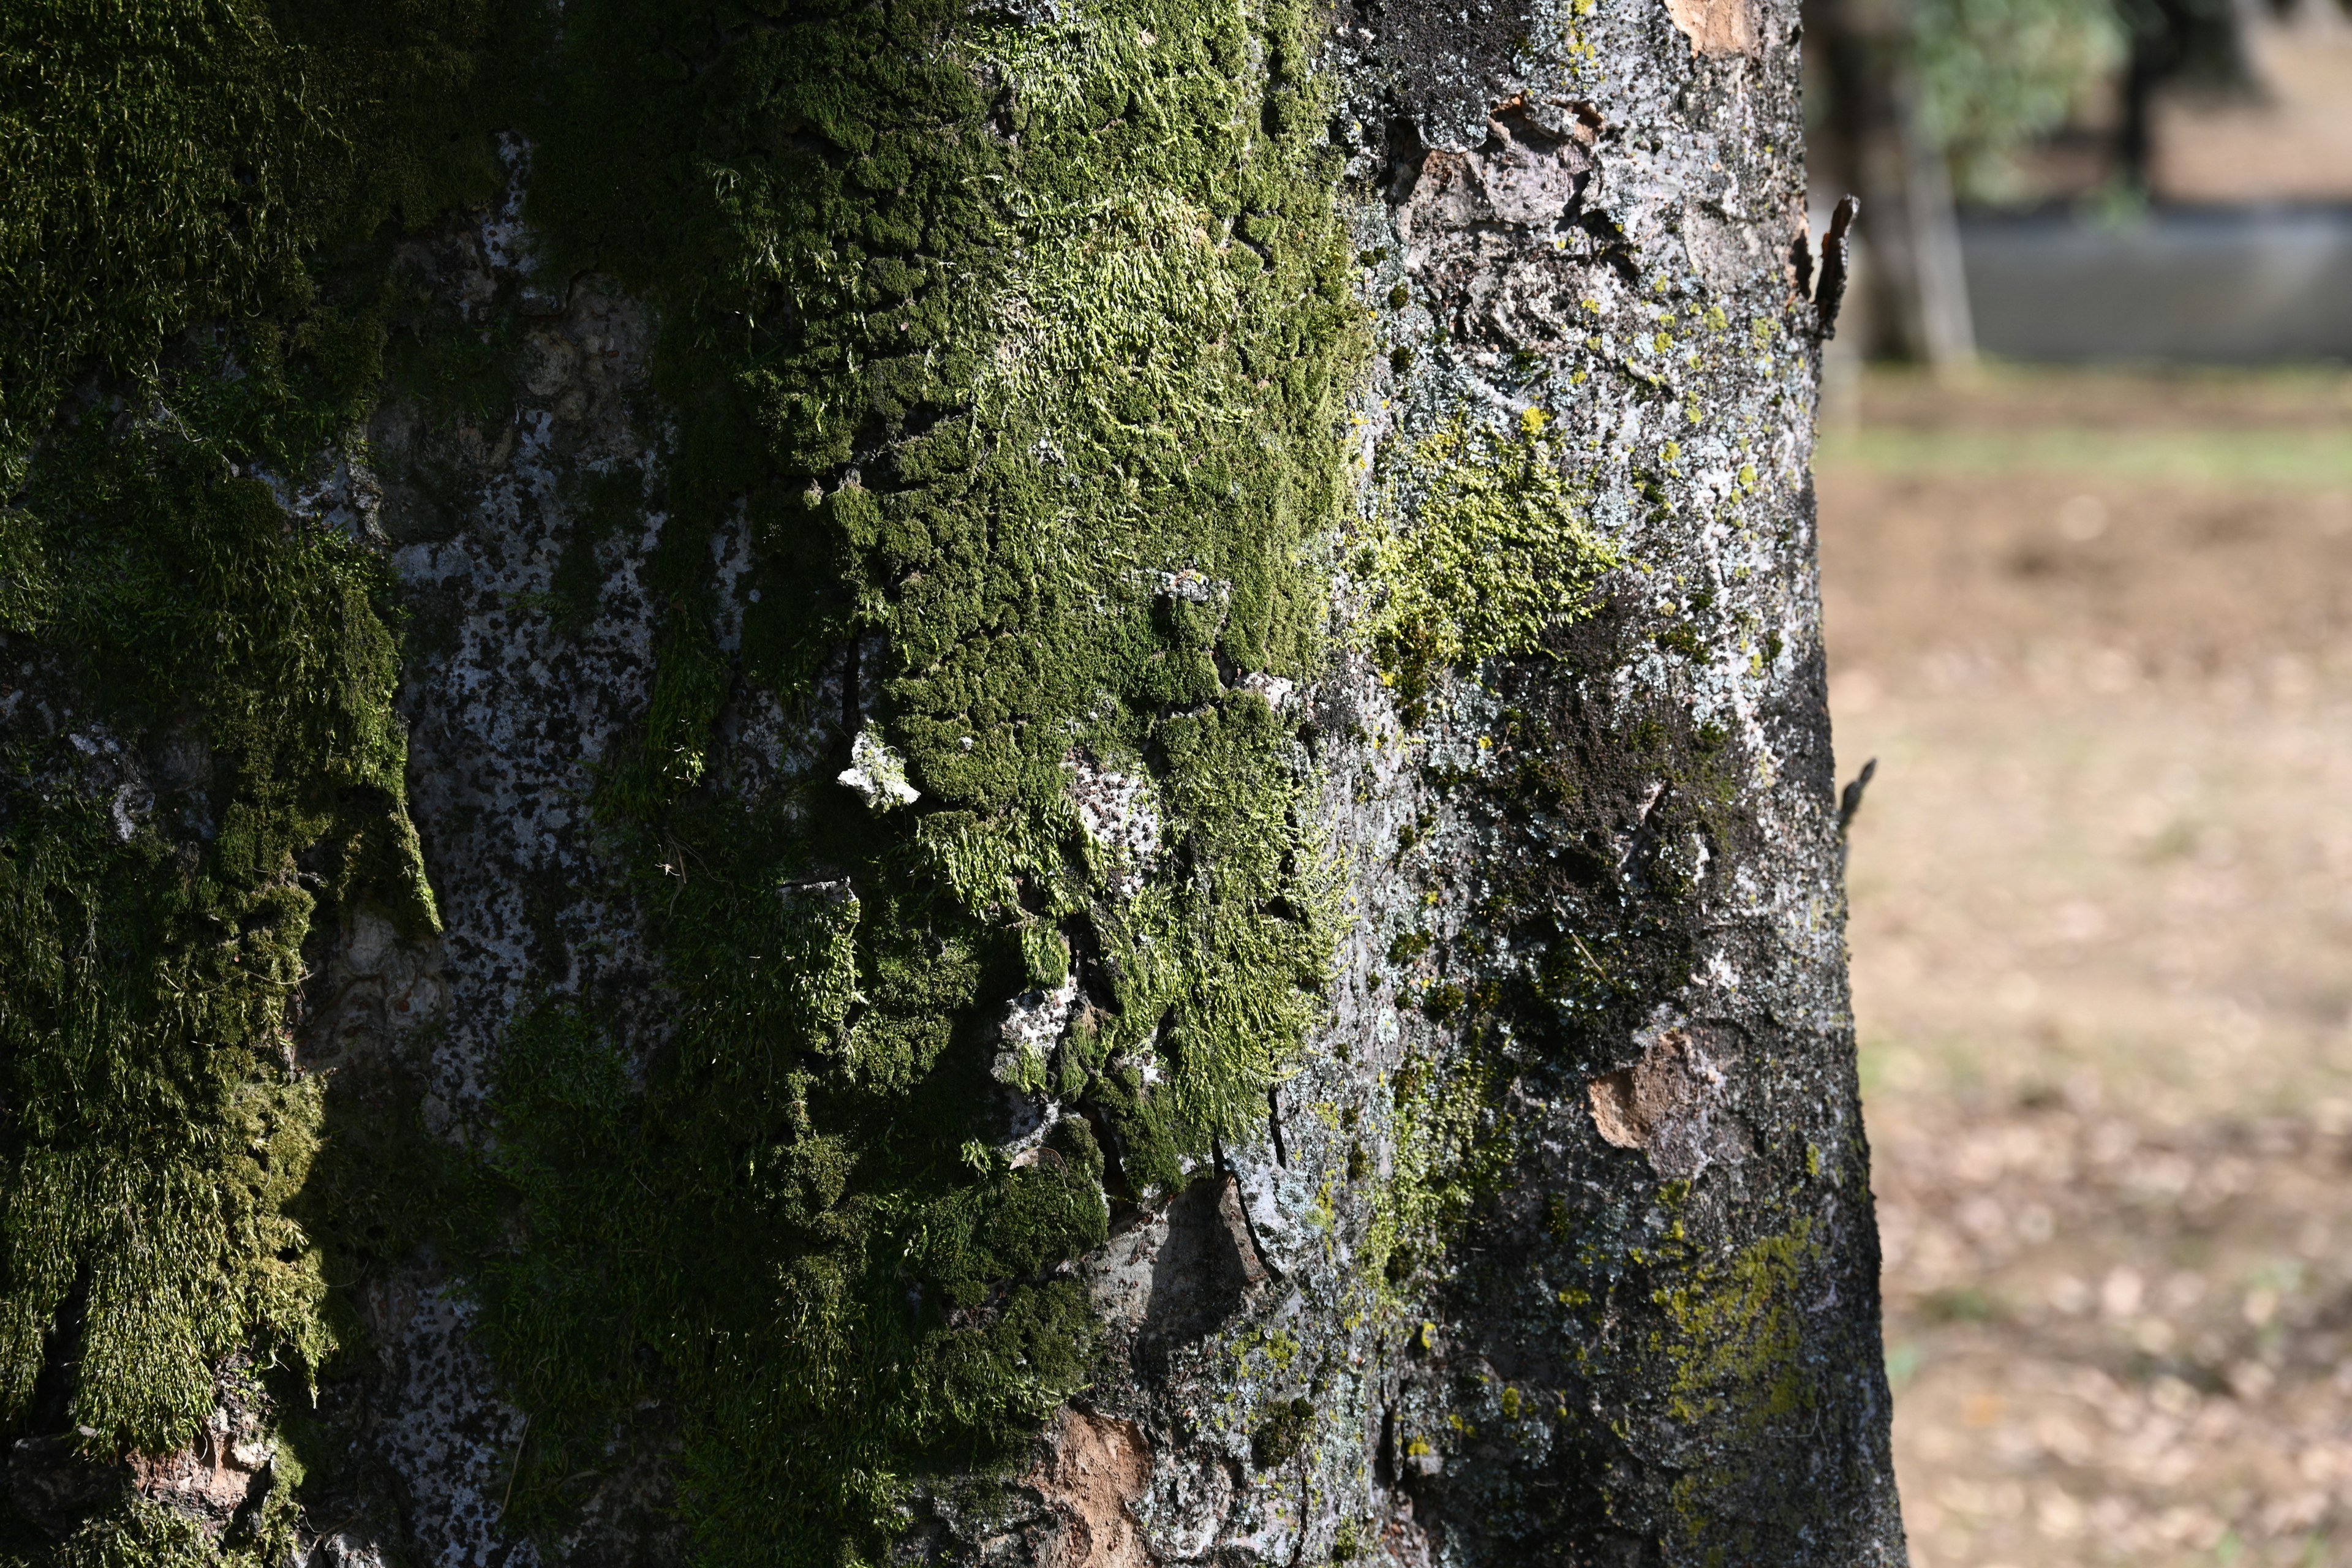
column 200, row 749
column 1020, row 346
column 181, row 161
column 1283, row 1432
column 1499, row 550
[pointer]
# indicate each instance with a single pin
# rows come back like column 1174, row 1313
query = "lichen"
column 1485, row 545
column 1445, row 1153
column 1733, row 1334
column 1731, row 1342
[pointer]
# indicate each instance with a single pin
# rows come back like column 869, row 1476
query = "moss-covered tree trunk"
column 904, row 782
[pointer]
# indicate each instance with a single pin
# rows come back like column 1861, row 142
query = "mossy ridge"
column 154, row 926
column 203, row 751
column 1020, row 343
column 145, row 1534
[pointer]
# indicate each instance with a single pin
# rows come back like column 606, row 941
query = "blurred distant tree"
column 1872, row 135
column 1996, row 76
column 1918, row 103
column 2193, row 42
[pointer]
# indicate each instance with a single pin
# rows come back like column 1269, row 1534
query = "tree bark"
column 1118, row 839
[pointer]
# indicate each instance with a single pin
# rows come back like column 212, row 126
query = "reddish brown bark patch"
column 1669, row 1104
column 1716, row 27
column 1097, row 1465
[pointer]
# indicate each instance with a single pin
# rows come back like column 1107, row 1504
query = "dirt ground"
column 2098, row 631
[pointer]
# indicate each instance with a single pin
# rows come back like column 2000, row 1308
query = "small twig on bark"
column 1851, row 801
column 1831, row 292
column 520, row 1438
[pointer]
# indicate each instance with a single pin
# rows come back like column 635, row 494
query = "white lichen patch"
column 878, row 774
column 1032, row 1026
column 1273, row 687
column 1192, row 585
column 1122, row 820
column 342, row 493
column 512, row 721
column 132, row 799
column 506, row 242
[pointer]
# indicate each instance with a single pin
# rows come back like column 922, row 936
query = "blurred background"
column 2085, row 493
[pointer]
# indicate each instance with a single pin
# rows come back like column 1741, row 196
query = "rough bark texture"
column 1116, row 842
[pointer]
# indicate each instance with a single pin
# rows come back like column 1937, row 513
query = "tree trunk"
column 1117, row 838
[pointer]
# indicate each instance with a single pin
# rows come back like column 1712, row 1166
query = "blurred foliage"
column 1995, row 75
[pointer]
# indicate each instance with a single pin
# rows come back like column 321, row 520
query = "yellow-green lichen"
column 1734, row 1333
column 1446, row 1151
column 1487, row 547
column 1731, row 1340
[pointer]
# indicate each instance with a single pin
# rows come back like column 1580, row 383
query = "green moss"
column 177, row 161
column 1021, row 345
column 1447, row 1151
column 205, row 750
column 1283, row 1432
column 143, row 1534
column 151, row 948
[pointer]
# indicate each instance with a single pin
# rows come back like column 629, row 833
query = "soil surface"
column 2098, row 631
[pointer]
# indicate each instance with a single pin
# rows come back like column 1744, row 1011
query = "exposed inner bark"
column 1097, row 1468
column 1715, row 26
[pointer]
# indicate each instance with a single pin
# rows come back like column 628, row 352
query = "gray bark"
column 1655, row 1337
